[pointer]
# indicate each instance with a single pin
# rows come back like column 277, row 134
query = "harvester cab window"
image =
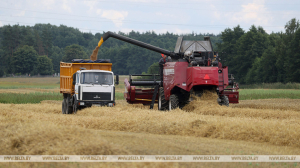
column 100, row 78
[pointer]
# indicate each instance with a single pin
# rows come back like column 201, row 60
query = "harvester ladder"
column 154, row 96
column 221, row 81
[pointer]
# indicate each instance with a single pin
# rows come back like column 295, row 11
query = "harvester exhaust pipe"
column 136, row 42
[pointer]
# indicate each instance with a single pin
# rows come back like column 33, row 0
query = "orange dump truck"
column 86, row 85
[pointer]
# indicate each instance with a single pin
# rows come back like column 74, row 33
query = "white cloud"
column 91, row 5
column 66, row 5
column 116, row 17
column 48, row 3
column 22, row 13
column 144, row 1
column 159, row 31
column 98, row 11
column 252, row 13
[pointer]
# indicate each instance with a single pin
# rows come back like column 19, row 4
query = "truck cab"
column 94, row 88
column 85, row 84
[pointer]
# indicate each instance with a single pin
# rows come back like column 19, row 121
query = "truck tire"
column 69, row 108
column 75, row 108
column 164, row 102
column 173, row 102
column 63, row 108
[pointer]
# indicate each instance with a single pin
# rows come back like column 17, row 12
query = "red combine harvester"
column 192, row 69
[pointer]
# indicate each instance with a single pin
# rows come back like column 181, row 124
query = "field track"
column 202, row 128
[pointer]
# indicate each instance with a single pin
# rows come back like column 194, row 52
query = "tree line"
column 258, row 57
column 253, row 56
column 40, row 48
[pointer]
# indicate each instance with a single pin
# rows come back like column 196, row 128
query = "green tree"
column 24, row 60
column 153, row 69
column 251, row 45
column 44, row 65
column 74, row 51
column 47, row 40
column 294, row 58
column 56, row 57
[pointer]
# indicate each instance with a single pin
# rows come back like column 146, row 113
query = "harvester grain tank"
column 86, row 83
column 194, row 67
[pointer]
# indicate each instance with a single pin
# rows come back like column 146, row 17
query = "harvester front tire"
column 224, row 101
column 164, row 102
column 173, row 102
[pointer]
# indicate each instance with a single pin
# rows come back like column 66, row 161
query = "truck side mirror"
column 117, row 79
column 74, row 78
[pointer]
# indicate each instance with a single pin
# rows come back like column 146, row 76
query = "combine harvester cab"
column 85, row 84
column 192, row 69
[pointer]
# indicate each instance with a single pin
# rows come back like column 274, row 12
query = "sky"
column 160, row 16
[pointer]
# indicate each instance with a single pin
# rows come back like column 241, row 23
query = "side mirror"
column 117, row 79
column 74, row 79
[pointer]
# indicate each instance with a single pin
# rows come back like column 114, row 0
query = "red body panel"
column 179, row 74
column 137, row 96
column 233, row 96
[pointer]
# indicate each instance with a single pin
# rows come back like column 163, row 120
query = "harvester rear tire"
column 164, row 102
column 173, row 102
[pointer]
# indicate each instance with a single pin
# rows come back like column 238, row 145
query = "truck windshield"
column 101, row 78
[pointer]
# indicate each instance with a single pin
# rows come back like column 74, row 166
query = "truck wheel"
column 69, row 108
column 75, row 107
column 173, row 102
column 63, row 106
column 163, row 102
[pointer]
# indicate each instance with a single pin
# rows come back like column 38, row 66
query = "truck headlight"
column 110, row 104
column 81, row 103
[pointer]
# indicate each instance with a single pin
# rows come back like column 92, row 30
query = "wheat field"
column 259, row 127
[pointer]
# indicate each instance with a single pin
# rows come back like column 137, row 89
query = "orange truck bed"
column 68, row 69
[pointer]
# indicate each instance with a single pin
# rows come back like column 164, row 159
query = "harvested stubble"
column 275, row 104
column 205, row 119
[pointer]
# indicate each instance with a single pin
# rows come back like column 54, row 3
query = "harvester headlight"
column 220, row 71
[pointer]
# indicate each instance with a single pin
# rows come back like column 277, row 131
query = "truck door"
column 77, row 86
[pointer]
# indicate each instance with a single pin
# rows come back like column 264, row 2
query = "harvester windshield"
column 101, row 78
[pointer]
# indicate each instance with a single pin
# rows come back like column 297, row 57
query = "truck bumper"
column 95, row 103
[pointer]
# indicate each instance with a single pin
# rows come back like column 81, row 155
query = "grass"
column 40, row 83
column 119, row 96
column 272, row 86
column 249, row 94
column 37, row 97
column 50, row 84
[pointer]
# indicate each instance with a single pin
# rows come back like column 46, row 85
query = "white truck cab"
column 94, row 88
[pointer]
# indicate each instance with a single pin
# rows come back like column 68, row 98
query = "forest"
column 253, row 55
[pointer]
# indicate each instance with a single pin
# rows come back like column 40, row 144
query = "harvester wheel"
column 224, row 100
column 173, row 102
column 164, row 103
column 63, row 106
